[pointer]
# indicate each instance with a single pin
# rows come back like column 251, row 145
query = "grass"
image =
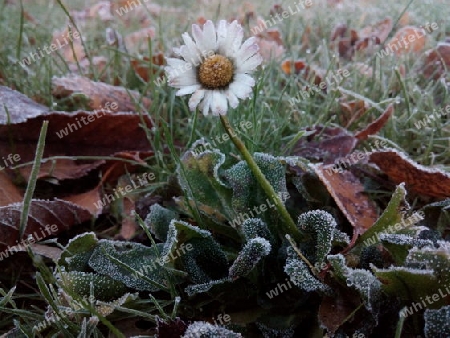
column 275, row 121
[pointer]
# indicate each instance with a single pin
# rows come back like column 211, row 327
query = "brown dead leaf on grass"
column 68, row 43
column 352, row 111
column 415, row 38
column 348, row 193
column 374, row 127
column 99, row 94
column 437, row 61
column 145, row 68
column 418, row 179
column 9, row 193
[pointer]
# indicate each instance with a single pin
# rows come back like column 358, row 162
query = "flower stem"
column 262, row 180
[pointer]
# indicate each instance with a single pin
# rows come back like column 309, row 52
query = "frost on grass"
column 104, row 287
column 199, row 176
column 256, row 227
column 437, row 322
column 158, row 221
column 300, row 275
column 207, row 330
column 247, row 193
column 249, row 257
column 321, row 226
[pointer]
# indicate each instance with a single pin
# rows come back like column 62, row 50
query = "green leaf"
column 104, row 287
column 437, row 322
column 390, row 217
column 249, row 257
column 77, row 252
column 199, row 177
column 158, row 221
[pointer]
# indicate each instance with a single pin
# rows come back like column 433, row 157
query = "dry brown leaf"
column 418, row 179
column 348, row 193
column 144, row 70
column 61, row 169
column 415, row 41
column 140, row 38
column 333, row 144
column 352, row 111
column 437, row 62
column 129, row 226
column 334, row 311
column 99, row 94
column 87, row 200
column 378, row 30
column 69, row 45
column 376, row 125
column 297, row 65
column 9, row 193
column 42, row 215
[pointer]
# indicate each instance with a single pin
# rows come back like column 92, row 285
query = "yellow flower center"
column 216, row 72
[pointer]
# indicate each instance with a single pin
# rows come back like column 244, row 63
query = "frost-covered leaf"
column 321, row 226
column 206, row 261
column 255, row 227
column 406, row 283
column 399, row 244
column 389, row 217
column 125, row 261
column 300, row 275
column 158, row 221
column 207, row 330
column 249, row 257
column 437, row 215
column 205, row 287
column 433, row 258
column 437, row 323
column 77, row 252
column 247, row 192
column 105, row 288
column 199, row 177
column 368, row 286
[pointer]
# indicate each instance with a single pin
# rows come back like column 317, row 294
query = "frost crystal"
column 207, row 330
column 437, row 322
column 255, row 227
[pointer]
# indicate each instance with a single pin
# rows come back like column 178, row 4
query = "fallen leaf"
column 352, row 111
column 9, row 193
column 144, row 68
column 42, row 215
column 334, row 311
column 406, row 40
column 437, row 61
column 140, row 38
column 297, row 65
column 418, row 178
column 378, row 30
column 348, row 193
column 129, row 226
column 47, row 251
column 333, row 143
column 376, row 125
column 99, row 94
column 88, row 200
column 68, row 45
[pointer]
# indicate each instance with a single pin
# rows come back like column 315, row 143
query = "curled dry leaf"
column 376, row 125
column 437, row 61
column 418, row 179
column 415, row 38
column 348, row 193
column 352, row 111
column 99, row 94
column 289, row 65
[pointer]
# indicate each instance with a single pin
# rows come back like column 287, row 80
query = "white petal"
column 174, row 63
column 198, row 35
column 196, row 98
column 242, row 91
column 187, row 78
column 194, row 52
column 221, row 36
column 244, row 79
column 219, row 104
column 206, row 103
column 233, row 41
column 247, row 50
column 232, row 99
column 187, row 90
column 209, row 36
column 250, row 64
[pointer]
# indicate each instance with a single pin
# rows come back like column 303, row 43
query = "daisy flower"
column 214, row 67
